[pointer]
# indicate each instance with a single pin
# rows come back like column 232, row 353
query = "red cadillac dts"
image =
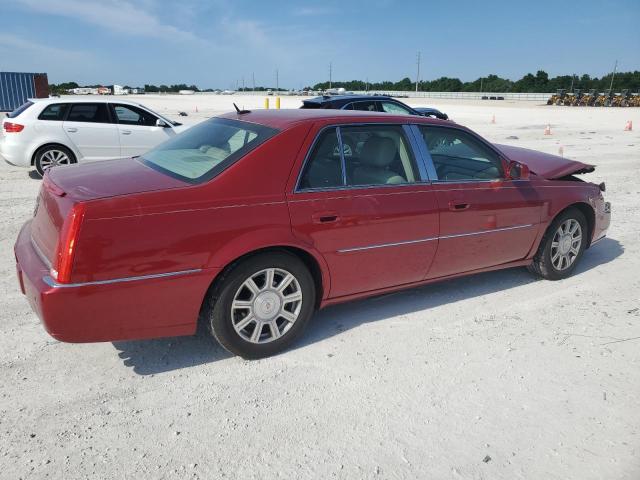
column 253, row 220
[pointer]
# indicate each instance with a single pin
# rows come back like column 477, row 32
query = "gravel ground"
column 494, row 376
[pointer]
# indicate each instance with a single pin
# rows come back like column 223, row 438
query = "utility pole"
column 481, row 84
column 330, row 75
column 613, row 75
column 571, row 88
column 253, row 78
column 243, row 83
column 277, row 81
column 418, row 73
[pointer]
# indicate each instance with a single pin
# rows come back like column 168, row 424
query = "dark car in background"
column 371, row 103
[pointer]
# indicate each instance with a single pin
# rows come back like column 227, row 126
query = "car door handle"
column 325, row 217
column 125, row 132
column 458, row 207
column 71, row 129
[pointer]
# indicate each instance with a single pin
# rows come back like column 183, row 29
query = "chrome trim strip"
column 52, row 283
column 382, row 245
column 421, row 240
column 486, row 231
column 44, row 259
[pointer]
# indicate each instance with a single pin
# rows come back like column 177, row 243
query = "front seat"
column 377, row 154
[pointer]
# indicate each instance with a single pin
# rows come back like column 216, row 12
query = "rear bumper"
column 126, row 309
column 13, row 153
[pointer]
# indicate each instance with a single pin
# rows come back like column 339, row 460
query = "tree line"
column 530, row 83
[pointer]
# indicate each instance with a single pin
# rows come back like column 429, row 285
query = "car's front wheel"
column 562, row 246
column 52, row 156
column 261, row 305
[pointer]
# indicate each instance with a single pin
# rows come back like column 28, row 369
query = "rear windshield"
column 203, row 151
column 19, row 110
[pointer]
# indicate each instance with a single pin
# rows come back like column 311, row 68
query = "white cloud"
column 118, row 16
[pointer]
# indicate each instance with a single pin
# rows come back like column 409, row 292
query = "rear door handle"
column 72, row 129
column 458, row 207
column 125, row 132
column 325, row 217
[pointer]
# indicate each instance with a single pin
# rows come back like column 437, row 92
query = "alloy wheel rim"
column 52, row 158
column 566, row 244
column 266, row 305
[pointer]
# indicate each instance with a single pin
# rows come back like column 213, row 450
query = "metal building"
column 16, row 88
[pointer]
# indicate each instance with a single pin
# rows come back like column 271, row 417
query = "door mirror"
column 517, row 171
column 161, row 123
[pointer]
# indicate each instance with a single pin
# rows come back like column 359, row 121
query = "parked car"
column 252, row 221
column 371, row 103
column 48, row 132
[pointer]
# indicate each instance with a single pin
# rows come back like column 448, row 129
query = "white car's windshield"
column 204, row 150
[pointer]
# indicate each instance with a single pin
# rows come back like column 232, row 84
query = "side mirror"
column 517, row 171
column 161, row 123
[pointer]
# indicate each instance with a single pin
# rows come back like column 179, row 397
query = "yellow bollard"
column 266, row 103
column 278, row 103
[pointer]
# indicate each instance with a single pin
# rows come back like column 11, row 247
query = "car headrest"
column 378, row 152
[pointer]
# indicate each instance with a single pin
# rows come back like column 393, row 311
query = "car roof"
column 85, row 99
column 345, row 98
column 287, row 118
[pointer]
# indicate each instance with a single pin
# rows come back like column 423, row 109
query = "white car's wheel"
column 52, row 156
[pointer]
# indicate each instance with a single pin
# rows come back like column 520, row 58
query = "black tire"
column 40, row 160
column 218, row 307
column 543, row 264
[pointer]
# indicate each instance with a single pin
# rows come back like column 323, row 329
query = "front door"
column 138, row 131
column 485, row 219
column 366, row 209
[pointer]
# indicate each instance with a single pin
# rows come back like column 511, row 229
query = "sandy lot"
column 539, row 379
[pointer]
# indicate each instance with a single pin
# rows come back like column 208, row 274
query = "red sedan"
column 253, row 220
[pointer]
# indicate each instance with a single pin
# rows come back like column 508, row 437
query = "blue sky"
column 214, row 43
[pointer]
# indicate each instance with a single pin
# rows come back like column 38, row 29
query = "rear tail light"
column 65, row 250
column 13, row 127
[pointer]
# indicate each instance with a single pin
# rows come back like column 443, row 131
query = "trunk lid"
column 64, row 187
column 544, row 164
column 110, row 178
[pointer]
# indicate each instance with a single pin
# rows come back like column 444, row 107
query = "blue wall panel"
column 15, row 88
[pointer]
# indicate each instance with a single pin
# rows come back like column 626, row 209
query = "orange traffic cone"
column 629, row 126
column 493, row 119
column 547, row 130
column 561, row 151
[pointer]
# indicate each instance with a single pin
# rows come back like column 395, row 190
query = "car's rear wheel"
column 261, row 305
column 562, row 246
column 52, row 156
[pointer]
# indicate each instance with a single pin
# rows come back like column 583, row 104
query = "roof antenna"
column 241, row 112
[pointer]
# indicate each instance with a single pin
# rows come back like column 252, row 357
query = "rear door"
column 90, row 128
column 485, row 219
column 362, row 201
column 137, row 130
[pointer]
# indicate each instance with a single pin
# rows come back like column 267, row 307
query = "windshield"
column 203, row 151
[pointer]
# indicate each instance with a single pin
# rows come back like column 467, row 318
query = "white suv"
column 55, row 131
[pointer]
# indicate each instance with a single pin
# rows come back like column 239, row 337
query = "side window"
column 54, row 111
column 88, row 112
column 391, row 107
column 457, row 155
column 324, row 166
column 348, row 106
column 130, row 115
column 377, row 155
column 367, row 106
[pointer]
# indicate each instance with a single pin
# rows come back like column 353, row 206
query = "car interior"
column 457, row 156
column 373, row 156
